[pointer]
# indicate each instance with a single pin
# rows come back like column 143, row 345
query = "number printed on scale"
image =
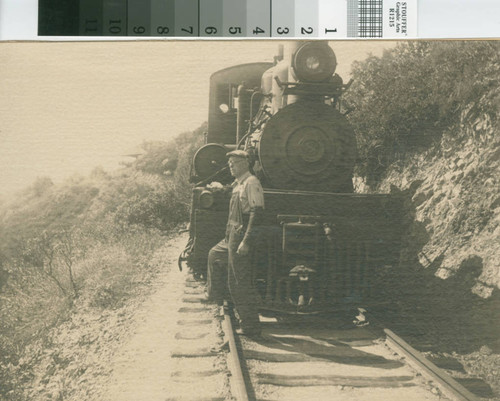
column 234, row 30
column 211, row 30
column 282, row 30
column 115, row 26
column 162, row 30
column 258, row 31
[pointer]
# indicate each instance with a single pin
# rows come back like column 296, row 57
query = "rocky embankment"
column 455, row 203
column 449, row 278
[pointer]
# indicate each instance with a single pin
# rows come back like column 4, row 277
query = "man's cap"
column 238, row 153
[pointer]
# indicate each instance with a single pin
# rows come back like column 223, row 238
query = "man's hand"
column 243, row 249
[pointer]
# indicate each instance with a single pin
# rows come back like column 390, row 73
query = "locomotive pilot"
column 229, row 261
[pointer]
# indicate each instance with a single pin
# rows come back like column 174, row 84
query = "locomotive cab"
column 319, row 244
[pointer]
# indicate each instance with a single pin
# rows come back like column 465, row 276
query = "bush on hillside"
column 403, row 100
column 87, row 240
column 141, row 195
column 106, row 275
column 163, row 158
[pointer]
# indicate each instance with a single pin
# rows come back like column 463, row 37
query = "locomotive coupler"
column 303, row 276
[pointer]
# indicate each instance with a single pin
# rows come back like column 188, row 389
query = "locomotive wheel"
column 308, row 146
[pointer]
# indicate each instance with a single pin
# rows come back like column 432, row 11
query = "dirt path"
column 126, row 353
column 144, row 368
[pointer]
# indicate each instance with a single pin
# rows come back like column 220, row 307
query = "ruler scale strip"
column 211, row 15
column 163, row 18
column 258, row 18
column 186, row 18
column 304, row 19
column 234, row 18
column 283, row 22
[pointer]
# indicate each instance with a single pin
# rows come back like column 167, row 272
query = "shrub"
column 403, row 100
column 30, row 304
column 105, row 275
column 87, row 240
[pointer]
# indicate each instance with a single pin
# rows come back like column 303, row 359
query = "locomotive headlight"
column 314, row 62
column 206, row 199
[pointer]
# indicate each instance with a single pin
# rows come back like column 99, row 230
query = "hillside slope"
column 427, row 124
column 456, row 201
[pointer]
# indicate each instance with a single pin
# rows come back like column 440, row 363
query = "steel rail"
column 237, row 379
column 447, row 384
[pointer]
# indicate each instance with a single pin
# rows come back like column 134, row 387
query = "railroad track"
column 319, row 363
column 198, row 371
column 313, row 360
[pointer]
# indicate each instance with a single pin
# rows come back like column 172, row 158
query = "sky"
column 66, row 108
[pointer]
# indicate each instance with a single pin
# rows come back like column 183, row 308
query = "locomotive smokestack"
column 279, row 57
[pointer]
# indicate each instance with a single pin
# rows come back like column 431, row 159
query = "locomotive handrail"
column 283, row 218
column 321, row 88
column 207, row 180
column 316, row 193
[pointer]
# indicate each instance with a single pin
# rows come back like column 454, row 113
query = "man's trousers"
column 230, row 272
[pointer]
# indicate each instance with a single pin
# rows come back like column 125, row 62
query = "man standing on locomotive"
column 229, row 261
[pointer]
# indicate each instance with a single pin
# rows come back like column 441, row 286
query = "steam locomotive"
column 320, row 244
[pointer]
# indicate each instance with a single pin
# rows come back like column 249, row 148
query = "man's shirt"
column 250, row 192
